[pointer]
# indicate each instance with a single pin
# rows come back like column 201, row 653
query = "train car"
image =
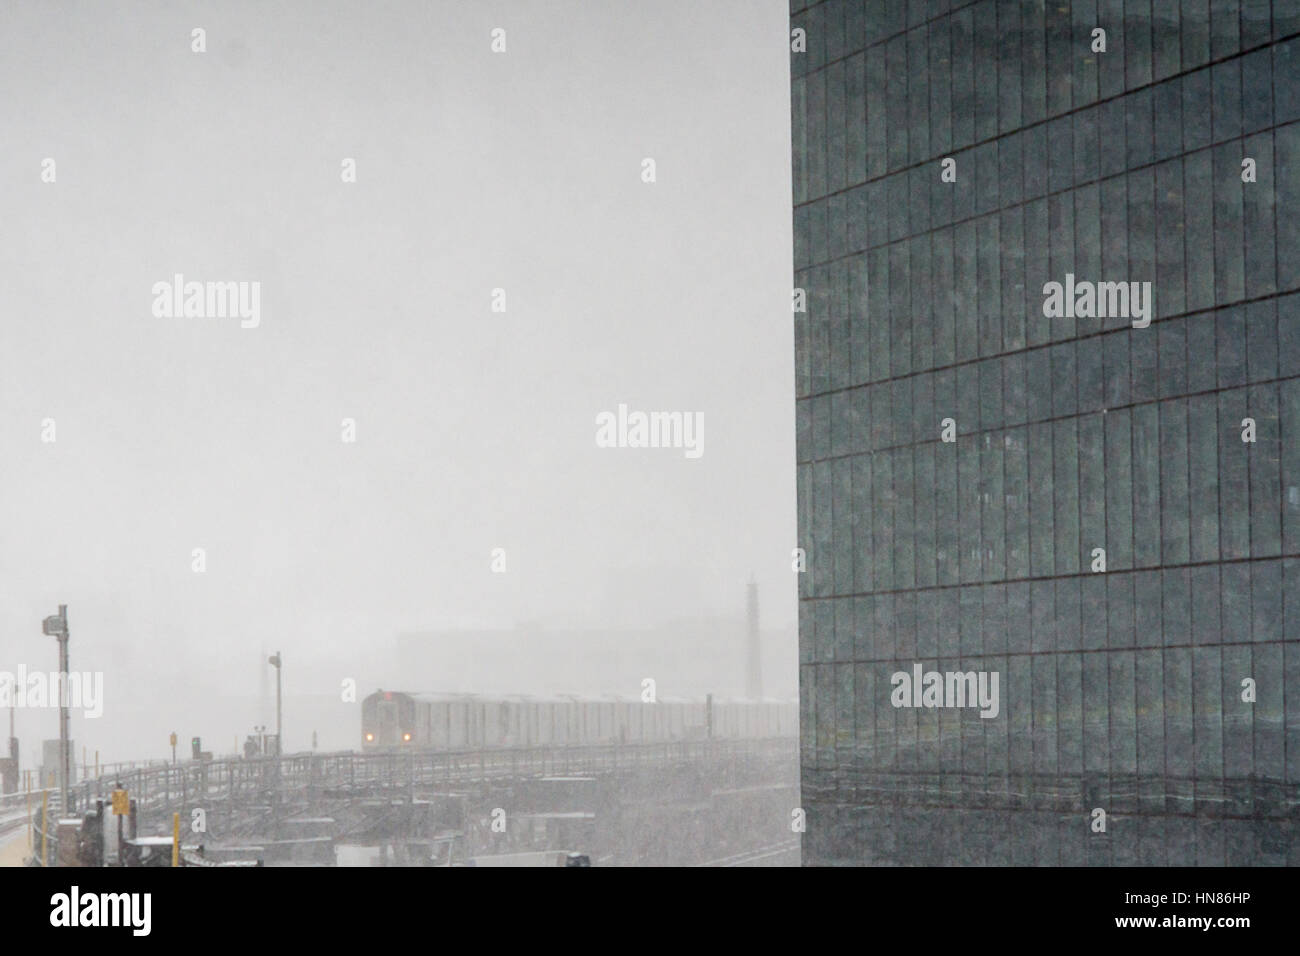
column 395, row 720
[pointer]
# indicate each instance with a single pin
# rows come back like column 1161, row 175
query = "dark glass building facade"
column 1163, row 690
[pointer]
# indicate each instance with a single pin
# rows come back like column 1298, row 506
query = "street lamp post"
column 56, row 625
column 275, row 661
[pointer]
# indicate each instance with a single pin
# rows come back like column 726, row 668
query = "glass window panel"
column 1146, row 486
column 845, row 733
column 1225, row 80
column 1037, row 271
column 843, row 610
column 836, row 84
column 842, row 514
column 902, row 402
column 1092, row 488
column 1257, row 90
column 1289, row 420
column 882, row 489
column 1141, row 241
column 1234, row 528
column 1197, row 94
column 1170, row 267
column 896, row 65
column 1009, row 66
column 1234, row 602
column 1045, row 714
column 993, row 517
column 1238, row 717
column 1087, row 244
column 1111, row 70
column 990, row 298
column 1065, row 483
column 1174, row 519
column 904, row 543
column 986, row 69
column 966, row 298
column 1083, row 60
column 1286, row 81
column 1207, row 712
column 1123, row 719
column 941, row 277
column 1011, row 283
column 1225, row 33
column 1139, row 129
column 877, row 121
column 1150, row 680
column 1147, row 598
column 1266, row 602
column 821, row 427
column 918, row 94
column 1096, row 714
column 1269, row 714
column 855, row 130
column 1040, row 500
column 949, row 622
column 1065, row 392
column 920, row 303
column 1291, row 653
column 878, row 310
column 1229, row 270
column 816, row 159
column 940, row 87
column 1144, row 362
column 1060, row 54
column 1087, row 161
column 989, row 373
column 1060, row 210
column 1258, row 211
column 1114, row 245
column 1261, row 341
column 841, row 355
column 1033, row 64
column 862, row 532
column 1165, row 37
column 900, row 310
column 1199, row 229
column 968, row 487
column 1172, row 337
column 963, row 91
column 1205, row 605
column 1167, row 107
column 1016, row 478
column 1112, row 153
column 1060, row 152
column 1265, row 477
column 1119, row 500
column 1203, row 471
column 924, row 420
column 819, row 550
column 925, row 517
column 1177, row 606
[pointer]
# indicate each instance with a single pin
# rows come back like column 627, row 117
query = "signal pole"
column 56, row 625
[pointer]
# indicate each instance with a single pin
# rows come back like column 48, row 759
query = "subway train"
column 394, row 720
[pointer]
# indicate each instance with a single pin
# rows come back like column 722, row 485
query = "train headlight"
column 406, row 738
column 370, row 738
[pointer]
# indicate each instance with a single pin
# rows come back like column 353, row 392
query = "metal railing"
column 252, row 779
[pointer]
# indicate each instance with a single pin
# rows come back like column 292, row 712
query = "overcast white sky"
column 474, row 430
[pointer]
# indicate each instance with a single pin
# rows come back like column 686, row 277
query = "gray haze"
column 474, row 430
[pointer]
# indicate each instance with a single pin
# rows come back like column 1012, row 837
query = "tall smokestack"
column 753, row 665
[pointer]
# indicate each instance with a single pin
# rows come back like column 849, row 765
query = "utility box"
column 52, row 763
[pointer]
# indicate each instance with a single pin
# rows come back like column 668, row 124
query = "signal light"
column 406, row 738
column 370, row 738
